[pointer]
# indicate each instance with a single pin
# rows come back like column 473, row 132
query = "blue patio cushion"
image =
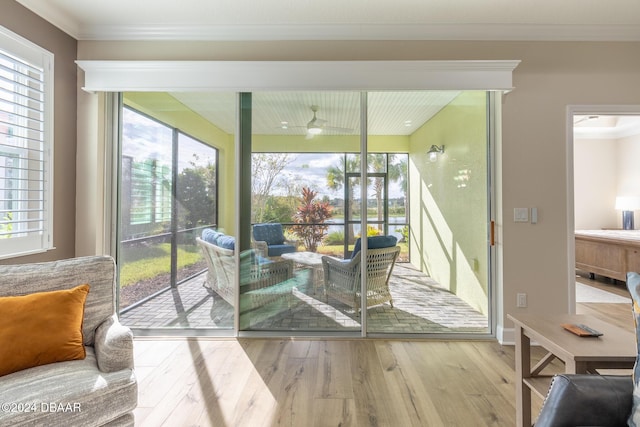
column 226, row 242
column 209, row 235
column 277, row 250
column 375, row 242
column 270, row 233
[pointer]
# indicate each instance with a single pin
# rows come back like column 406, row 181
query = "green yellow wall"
column 448, row 199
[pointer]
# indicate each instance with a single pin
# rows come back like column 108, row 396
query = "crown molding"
column 51, row 13
column 489, row 31
column 355, row 32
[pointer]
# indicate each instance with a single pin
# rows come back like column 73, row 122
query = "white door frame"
column 572, row 110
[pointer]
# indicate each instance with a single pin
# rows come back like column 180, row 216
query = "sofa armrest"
column 587, row 400
column 113, row 345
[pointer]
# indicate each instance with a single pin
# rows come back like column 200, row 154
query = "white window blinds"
column 25, row 146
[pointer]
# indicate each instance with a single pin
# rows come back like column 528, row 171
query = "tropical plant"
column 310, row 220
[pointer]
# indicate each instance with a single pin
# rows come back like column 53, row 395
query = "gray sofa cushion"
column 95, row 397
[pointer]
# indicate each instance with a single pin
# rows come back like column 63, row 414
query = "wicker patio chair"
column 261, row 281
column 342, row 278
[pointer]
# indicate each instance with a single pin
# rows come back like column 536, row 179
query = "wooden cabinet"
column 610, row 253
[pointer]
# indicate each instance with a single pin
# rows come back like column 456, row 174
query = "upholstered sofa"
column 97, row 389
column 587, row 400
column 262, row 281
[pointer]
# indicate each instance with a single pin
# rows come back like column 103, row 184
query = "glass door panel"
column 168, row 196
column 144, row 258
column 437, row 207
column 196, row 209
column 298, row 174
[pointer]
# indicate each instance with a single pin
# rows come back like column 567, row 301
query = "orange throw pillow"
column 41, row 328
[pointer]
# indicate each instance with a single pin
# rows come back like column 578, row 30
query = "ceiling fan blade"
column 338, row 129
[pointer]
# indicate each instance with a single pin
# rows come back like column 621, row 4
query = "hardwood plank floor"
column 371, row 382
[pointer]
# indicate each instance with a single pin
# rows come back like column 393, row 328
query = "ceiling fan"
column 316, row 125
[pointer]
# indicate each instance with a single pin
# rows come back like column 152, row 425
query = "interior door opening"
column 606, row 149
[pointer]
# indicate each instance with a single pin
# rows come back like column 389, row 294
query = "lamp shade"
column 627, row 203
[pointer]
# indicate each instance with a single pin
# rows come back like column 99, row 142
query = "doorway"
column 605, row 145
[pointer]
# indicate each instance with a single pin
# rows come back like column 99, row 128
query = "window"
column 26, row 141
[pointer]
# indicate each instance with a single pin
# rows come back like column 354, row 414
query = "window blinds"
column 25, row 141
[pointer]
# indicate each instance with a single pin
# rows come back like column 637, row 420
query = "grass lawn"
column 146, row 263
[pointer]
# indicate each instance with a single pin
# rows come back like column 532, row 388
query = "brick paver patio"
column 421, row 305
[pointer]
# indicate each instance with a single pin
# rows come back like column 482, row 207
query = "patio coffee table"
column 310, row 260
column 615, row 349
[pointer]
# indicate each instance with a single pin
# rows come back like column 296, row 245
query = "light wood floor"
column 288, row 382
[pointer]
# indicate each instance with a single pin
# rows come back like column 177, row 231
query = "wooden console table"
column 615, row 349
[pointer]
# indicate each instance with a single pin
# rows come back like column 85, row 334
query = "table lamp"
column 627, row 204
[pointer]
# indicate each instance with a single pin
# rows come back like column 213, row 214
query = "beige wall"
column 534, row 157
column 603, row 170
column 28, row 25
column 595, row 170
column 628, row 183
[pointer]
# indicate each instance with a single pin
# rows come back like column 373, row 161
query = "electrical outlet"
column 521, row 300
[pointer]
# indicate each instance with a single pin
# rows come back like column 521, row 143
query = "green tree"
column 266, row 169
column 196, row 196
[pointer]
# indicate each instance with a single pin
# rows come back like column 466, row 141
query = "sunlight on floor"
column 327, row 310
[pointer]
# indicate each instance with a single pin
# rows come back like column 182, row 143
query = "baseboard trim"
column 506, row 336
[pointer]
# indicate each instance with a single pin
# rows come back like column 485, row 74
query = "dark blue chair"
column 375, row 242
column 273, row 236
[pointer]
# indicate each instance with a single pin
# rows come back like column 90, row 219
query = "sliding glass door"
column 328, row 213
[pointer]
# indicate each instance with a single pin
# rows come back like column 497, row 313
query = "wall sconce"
column 434, row 151
column 627, row 205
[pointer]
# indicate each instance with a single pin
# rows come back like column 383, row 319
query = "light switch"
column 521, row 214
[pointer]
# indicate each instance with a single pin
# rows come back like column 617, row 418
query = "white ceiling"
column 389, row 113
column 605, row 126
column 614, row 20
